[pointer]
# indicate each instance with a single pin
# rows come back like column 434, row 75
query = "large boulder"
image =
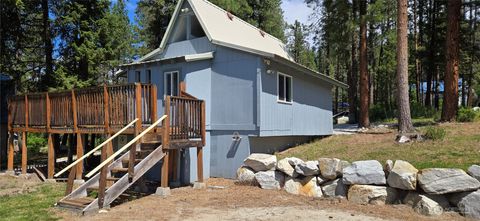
column 309, row 168
column 335, row 188
column 403, row 176
column 468, row 203
column 246, row 176
column 284, row 166
column 270, row 180
column 364, row 172
column 261, row 162
column 330, row 168
column 425, row 204
column 306, row 187
column 368, row 194
column 442, row 181
column 294, row 161
column 474, row 171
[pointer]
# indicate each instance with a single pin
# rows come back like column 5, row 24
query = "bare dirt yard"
column 233, row 202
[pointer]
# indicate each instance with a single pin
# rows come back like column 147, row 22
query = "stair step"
column 119, row 170
column 126, row 161
column 112, row 178
column 77, row 202
column 151, row 137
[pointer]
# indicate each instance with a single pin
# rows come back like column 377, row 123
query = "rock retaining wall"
column 429, row 191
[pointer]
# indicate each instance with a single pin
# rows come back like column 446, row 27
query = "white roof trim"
column 199, row 57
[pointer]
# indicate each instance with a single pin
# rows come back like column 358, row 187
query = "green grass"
column 459, row 149
column 32, row 206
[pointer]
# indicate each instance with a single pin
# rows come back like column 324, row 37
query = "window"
column 137, row 76
column 149, row 76
column 171, row 83
column 284, row 88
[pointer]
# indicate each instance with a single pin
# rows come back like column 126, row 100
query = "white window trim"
column 285, row 86
column 165, row 82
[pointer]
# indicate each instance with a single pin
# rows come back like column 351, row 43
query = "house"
column 257, row 98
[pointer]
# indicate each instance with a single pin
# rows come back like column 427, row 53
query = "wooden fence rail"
column 185, row 118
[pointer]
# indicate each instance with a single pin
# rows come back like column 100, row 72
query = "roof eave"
column 308, row 71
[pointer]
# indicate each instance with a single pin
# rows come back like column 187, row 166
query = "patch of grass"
column 458, row 149
column 435, row 133
column 31, row 206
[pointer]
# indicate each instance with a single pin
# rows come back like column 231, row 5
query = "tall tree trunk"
column 437, row 89
column 364, row 120
column 50, row 82
column 450, row 101
column 472, row 54
column 353, row 75
column 404, row 119
column 417, row 61
column 431, row 57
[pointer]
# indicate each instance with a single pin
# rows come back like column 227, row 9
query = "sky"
column 293, row 10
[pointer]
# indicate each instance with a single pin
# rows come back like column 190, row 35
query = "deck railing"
column 88, row 110
column 186, row 118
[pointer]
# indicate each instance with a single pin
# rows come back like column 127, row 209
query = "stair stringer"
column 124, row 183
column 81, row 191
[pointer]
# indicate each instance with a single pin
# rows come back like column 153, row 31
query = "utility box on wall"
column 6, row 89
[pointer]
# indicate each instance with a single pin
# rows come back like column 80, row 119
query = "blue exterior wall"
column 309, row 114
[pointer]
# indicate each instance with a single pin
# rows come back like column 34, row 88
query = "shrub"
column 435, row 133
column 418, row 110
column 379, row 112
column 466, row 115
column 36, row 141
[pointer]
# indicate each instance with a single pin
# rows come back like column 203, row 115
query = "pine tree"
column 364, row 120
column 450, row 102
column 404, row 119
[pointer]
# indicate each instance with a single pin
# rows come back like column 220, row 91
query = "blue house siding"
column 309, row 114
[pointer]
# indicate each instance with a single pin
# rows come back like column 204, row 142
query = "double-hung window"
column 284, row 88
column 171, row 83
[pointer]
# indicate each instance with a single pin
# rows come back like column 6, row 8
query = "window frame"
column 148, row 74
column 137, row 77
column 165, row 82
column 285, row 86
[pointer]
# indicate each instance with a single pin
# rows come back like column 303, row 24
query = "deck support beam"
column 11, row 152
column 24, row 153
column 51, row 157
column 79, row 154
column 200, row 164
column 164, row 181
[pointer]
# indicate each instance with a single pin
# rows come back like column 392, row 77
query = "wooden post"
column 138, row 128
column 51, row 157
column 48, row 117
column 26, row 113
column 164, row 182
column 24, row 152
column 200, row 164
column 203, row 123
column 79, row 169
column 102, row 184
column 106, row 110
column 70, row 181
column 153, row 103
column 79, row 154
column 11, row 151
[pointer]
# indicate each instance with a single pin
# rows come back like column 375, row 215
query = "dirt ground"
column 22, row 184
column 223, row 200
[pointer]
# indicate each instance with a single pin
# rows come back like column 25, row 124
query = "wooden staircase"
column 86, row 197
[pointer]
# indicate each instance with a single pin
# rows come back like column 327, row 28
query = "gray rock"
column 321, row 180
column 368, row 194
column 270, row 180
column 468, row 203
column 403, row 139
column 261, row 162
column 335, row 188
column 246, row 176
column 425, row 204
column 294, row 161
column 474, row 171
column 306, row 187
column 309, row 168
column 330, row 168
column 364, row 172
column 284, row 166
column 442, row 181
column 388, row 167
column 403, row 176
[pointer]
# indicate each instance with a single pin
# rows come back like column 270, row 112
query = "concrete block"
column 163, row 191
column 199, row 186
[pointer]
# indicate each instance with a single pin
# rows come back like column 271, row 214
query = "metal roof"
column 225, row 29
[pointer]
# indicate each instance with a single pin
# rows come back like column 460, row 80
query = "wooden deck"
column 105, row 110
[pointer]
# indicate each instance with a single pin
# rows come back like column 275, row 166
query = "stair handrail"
column 97, row 148
column 125, row 147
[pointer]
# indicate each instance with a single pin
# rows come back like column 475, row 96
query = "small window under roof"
column 196, row 30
